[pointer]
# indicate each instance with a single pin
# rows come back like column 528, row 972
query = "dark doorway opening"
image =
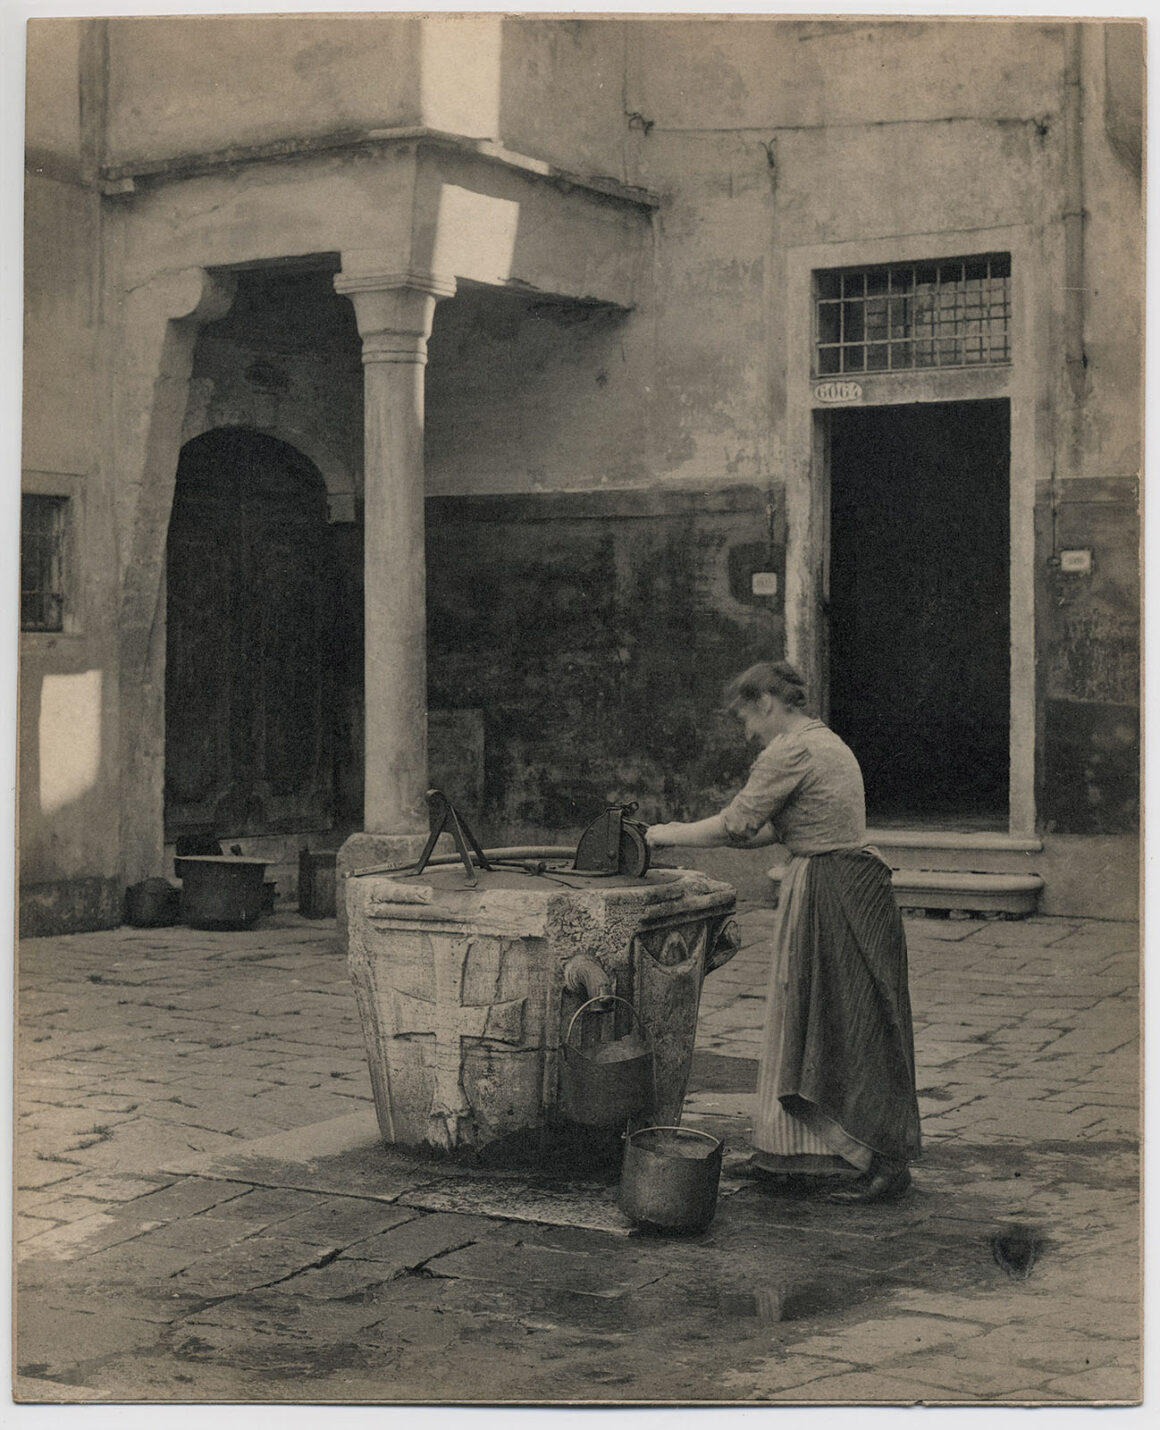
column 919, row 617
column 250, row 635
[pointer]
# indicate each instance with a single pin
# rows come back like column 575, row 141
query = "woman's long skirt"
column 837, row 1068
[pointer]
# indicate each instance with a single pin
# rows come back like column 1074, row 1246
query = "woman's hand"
column 662, row 836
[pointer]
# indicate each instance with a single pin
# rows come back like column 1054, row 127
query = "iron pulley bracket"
column 613, row 844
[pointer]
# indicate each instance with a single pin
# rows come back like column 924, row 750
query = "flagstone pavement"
column 203, row 1214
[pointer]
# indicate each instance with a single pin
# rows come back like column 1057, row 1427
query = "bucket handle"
column 685, row 1131
column 608, row 997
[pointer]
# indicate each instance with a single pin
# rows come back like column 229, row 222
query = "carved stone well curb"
column 465, row 1000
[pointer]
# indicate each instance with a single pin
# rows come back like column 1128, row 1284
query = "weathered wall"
column 68, row 720
column 1090, row 659
column 526, row 393
column 594, row 633
column 52, row 117
column 759, row 136
column 1089, row 624
column 195, row 85
column 551, row 67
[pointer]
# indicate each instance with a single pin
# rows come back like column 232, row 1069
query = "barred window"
column 42, row 536
column 953, row 312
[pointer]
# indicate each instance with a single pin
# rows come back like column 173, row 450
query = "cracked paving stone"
column 590, row 1273
column 186, row 1197
column 419, row 1240
column 88, row 1235
column 786, row 1371
column 338, row 1281
column 1055, row 1350
column 348, row 1221
column 33, row 1175
column 246, row 1265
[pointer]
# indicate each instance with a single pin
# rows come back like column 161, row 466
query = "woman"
column 837, row 1071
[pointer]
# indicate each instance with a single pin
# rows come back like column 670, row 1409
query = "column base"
column 368, row 851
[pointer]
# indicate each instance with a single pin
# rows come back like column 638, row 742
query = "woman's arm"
column 702, row 834
column 746, row 822
column 705, row 834
column 765, row 835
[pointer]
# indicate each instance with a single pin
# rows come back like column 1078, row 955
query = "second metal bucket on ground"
column 670, row 1178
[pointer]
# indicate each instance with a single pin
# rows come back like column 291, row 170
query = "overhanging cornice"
column 123, row 178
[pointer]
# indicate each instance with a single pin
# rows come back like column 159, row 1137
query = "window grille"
column 955, row 312
column 42, row 528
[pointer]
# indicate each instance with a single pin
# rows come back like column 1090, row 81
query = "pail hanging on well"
column 670, row 1177
column 606, row 1084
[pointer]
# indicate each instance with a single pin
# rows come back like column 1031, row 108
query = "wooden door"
column 250, row 614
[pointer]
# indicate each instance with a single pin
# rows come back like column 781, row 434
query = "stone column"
column 394, row 312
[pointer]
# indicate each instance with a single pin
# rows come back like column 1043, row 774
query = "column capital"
column 394, row 312
column 436, row 284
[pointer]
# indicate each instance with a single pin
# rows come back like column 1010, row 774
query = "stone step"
column 953, row 844
column 972, row 892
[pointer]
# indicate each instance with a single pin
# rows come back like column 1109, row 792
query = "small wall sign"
column 765, row 583
column 837, row 391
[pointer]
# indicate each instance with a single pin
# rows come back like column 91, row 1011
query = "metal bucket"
column 670, row 1177
column 609, row 1082
column 153, row 903
column 220, row 892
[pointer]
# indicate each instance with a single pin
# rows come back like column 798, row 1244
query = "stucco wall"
column 759, row 137
column 534, row 394
column 68, row 721
column 190, row 85
column 52, row 119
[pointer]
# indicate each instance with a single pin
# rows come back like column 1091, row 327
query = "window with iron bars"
column 953, row 312
column 42, row 537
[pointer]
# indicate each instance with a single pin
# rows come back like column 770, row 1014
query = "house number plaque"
column 837, row 391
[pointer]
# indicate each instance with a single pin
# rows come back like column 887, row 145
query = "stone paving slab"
column 276, row 1261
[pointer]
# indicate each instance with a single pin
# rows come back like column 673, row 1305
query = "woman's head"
column 776, row 678
column 763, row 696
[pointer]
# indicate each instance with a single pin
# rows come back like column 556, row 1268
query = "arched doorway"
column 250, row 614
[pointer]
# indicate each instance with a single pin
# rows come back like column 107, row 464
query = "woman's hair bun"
column 776, row 678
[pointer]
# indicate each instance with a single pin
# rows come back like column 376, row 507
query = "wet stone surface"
column 297, row 1262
